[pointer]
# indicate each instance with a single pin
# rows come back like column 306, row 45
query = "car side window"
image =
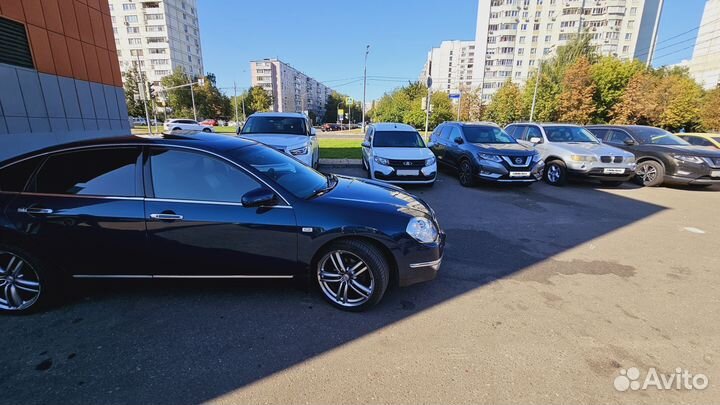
column 510, row 130
column 697, row 141
column 532, row 132
column 599, row 133
column 617, row 137
column 14, row 178
column 519, row 132
column 445, row 133
column 184, row 175
column 455, row 133
column 96, row 172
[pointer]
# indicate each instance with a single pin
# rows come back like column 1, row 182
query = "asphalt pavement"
column 545, row 295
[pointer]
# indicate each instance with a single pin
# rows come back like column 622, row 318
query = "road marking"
column 694, row 230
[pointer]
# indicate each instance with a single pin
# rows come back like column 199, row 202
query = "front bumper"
column 425, row 175
column 693, row 173
column 602, row 171
column 503, row 173
column 418, row 262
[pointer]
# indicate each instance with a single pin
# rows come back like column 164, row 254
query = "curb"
column 341, row 162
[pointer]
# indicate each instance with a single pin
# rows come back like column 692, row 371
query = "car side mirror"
column 313, row 132
column 365, row 144
column 258, row 197
column 629, row 142
column 459, row 141
column 536, row 140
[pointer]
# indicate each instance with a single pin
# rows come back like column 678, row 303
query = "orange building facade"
column 60, row 79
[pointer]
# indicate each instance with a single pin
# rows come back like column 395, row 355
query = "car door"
column 197, row 225
column 367, row 147
column 441, row 144
column 533, row 131
column 452, row 150
column 618, row 139
column 84, row 209
column 434, row 143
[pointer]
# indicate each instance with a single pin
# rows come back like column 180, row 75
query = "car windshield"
column 566, row 133
column 275, row 125
column 486, row 134
column 656, row 136
column 300, row 180
column 398, row 139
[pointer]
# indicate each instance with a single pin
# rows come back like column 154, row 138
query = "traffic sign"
column 454, row 96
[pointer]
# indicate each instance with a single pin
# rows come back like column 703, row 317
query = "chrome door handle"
column 35, row 210
column 167, row 217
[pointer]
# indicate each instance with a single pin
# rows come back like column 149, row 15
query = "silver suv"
column 572, row 151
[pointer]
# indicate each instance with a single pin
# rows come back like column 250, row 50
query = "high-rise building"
column 157, row 35
column 513, row 36
column 705, row 62
column 59, row 79
column 291, row 90
column 450, row 66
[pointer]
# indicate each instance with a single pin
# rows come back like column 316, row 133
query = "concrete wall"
column 75, row 91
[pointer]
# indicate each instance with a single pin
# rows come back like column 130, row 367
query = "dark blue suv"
column 483, row 151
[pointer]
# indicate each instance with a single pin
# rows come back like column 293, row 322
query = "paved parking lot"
column 544, row 296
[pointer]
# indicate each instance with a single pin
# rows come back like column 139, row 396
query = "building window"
column 133, row 30
column 154, row 28
column 134, row 41
column 131, row 19
column 14, row 48
column 128, row 6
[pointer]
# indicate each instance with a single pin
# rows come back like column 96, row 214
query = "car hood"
column 585, row 148
column 508, row 149
column 403, row 153
column 278, row 141
column 353, row 191
column 682, row 150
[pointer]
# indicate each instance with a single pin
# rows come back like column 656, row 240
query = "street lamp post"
column 367, row 51
column 537, row 81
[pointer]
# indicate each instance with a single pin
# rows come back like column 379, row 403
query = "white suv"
column 182, row 124
column 287, row 132
column 396, row 153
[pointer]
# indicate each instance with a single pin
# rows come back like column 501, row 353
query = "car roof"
column 487, row 123
column 279, row 114
column 702, row 134
column 393, row 126
column 197, row 139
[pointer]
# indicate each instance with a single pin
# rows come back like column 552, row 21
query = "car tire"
column 364, row 278
column 465, row 174
column 177, row 129
column 611, row 183
column 207, row 130
column 26, row 283
column 556, row 173
column 649, row 173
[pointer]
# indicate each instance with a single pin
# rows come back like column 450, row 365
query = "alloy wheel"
column 553, row 173
column 345, row 278
column 465, row 173
column 19, row 283
column 647, row 172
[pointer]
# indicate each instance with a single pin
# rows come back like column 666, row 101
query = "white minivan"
column 396, row 153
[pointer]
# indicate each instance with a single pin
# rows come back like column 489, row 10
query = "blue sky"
column 326, row 39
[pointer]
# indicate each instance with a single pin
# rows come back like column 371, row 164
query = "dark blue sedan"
column 203, row 206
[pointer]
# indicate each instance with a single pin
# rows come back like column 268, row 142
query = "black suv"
column 484, row 151
column 661, row 156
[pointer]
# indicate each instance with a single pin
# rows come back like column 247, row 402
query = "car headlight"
column 430, row 161
column 422, row 230
column 490, row 157
column 688, row 158
column 536, row 157
column 382, row 161
column 583, row 158
column 299, row 151
column 630, row 159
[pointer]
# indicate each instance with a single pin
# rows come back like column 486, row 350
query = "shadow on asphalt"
column 192, row 341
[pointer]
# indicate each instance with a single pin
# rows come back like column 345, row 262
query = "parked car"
column 707, row 140
column 183, row 124
column 483, row 151
column 287, row 132
column 661, row 156
column 210, row 122
column 330, row 127
column 192, row 205
column 138, row 121
column 572, row 151
column 396, row 153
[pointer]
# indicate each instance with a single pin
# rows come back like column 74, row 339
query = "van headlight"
column 422, row 230
column 382, row 161
column 688, row 158
column 299, row 151
column 583, row 158
column 430, row 161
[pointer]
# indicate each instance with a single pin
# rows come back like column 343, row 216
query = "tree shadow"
column 173, row 342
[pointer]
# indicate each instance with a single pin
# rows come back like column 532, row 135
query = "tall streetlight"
column 537, row 81
column 367, row 51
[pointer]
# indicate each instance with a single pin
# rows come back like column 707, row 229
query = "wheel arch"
column 653, row 158
column 553, row 158
column 382, row 247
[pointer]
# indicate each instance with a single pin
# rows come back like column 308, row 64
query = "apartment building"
column 158, row 36
column 705, row 63
column 291, row 90
column 450, row 65
column 513, row 36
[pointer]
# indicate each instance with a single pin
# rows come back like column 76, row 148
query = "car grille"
column 407, row 163
column 517, row 161
column 611, row 159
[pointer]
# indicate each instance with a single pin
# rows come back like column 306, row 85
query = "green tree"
column 132, row 96
column 611, row 76
column 471, row 105
column 575, row 102
column 257, row 99
column 178, row 100
column 680, row 99
column 639, row 102
column 209, row 101
column 334, row 101
column 506, row 105
column 710, row 110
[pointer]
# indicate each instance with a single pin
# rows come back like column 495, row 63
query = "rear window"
column 13, row 178
column 398, row 139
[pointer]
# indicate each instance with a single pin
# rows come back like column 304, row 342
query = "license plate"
column 715, row 173
column 519, row 174
column 408, row 172
column 613, row 171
